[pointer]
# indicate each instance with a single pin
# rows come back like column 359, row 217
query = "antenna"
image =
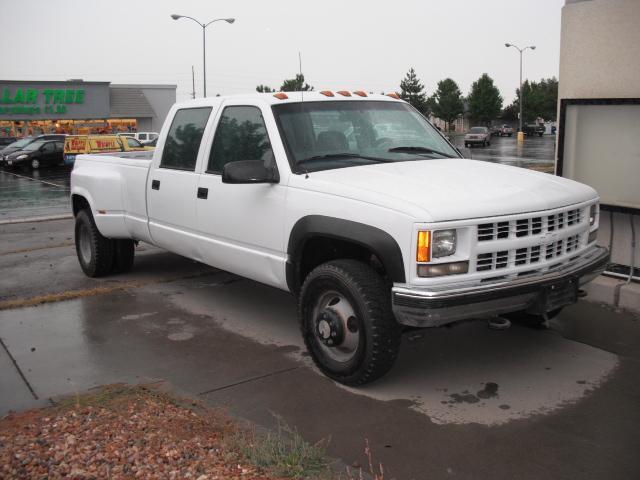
column 306, row 172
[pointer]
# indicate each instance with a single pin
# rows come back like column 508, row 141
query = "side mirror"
column 249, row 171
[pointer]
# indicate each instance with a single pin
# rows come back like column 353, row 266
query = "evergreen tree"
column 296, row 84
column 264, row 89
column 447, row 101
column 485, row 102
column 540, row 99
column 413, row 92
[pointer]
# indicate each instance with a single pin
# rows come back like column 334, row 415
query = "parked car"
column 531, row 129
column 75, row 145
column 477, row 136
column 4, row 141
column 150, row 143
column 23, row 142
column 495, row 130
column 140, row 136
column 370, row 233
column 506, row 131
column 14, row 147
column 37, row 154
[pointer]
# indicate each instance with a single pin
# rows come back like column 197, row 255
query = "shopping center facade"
column 76, row 106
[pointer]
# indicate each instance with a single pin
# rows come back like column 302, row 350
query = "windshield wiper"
column 342, row 155
column 419, row 150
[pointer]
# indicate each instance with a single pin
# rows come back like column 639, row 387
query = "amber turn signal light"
column 424, row 246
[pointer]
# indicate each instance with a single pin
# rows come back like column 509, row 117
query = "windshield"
column 21, row 143
column 34, row 145
column 477, row 130
column 338, row 134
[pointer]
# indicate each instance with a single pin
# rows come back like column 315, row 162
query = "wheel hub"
column 329, row 327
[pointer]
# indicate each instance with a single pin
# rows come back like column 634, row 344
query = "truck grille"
column 531, row 255
column 525, row 227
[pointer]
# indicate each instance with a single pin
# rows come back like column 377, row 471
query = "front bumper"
column 442, row 304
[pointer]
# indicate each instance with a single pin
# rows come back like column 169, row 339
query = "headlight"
column 21, row 157
column 593, row 213
column 443, row 243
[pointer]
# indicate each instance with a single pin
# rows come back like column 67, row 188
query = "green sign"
column 33, row 101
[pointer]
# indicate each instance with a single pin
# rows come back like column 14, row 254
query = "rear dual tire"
column 99, row 256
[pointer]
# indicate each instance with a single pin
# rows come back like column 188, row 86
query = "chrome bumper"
column 441, row 304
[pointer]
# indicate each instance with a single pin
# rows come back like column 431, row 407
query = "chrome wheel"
column 85, row 244
column 337, row 327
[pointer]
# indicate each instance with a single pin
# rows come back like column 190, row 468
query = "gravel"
column 120, row 433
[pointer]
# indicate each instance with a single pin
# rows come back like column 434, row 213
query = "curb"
column 64, row 216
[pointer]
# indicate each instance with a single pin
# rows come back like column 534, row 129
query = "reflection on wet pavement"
column 34, row 193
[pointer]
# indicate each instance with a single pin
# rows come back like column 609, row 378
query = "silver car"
column 477, row 136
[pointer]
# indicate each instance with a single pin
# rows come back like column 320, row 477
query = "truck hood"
column 451, row 189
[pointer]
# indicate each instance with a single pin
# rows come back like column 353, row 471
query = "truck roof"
column 277, row 98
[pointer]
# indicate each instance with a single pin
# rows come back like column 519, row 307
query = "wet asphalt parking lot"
column 461, row 402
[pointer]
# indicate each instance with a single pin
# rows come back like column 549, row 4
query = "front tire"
column 347, row 323
column 95, row 252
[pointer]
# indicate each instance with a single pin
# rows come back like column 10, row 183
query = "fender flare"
column 383, row 245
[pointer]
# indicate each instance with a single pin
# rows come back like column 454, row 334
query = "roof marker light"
column 393, row 95
column 327, row 93
column 360, row 93
column 281, row 96
column 344, row 93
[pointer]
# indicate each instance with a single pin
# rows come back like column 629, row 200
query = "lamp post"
column 532, row 47
column 204, row 45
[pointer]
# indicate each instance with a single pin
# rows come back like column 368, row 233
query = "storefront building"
column 79, row 107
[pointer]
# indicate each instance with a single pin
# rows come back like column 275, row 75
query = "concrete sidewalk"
column 462, row 402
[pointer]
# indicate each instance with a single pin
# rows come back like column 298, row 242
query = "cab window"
column 183, row 140
column 48, row 148
column 241, row 135
column 133, row 143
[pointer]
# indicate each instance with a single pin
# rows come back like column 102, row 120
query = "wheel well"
column 318, row 250
column 79, row 203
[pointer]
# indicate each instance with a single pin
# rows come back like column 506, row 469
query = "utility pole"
column 193, row 83
column 532, row 47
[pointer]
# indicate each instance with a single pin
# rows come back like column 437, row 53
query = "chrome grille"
column 526, row 255
column 525, row 227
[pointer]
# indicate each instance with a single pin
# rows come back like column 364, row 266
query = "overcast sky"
column 352, row 45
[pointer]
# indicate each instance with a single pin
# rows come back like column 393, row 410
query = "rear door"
column 172, row 183
column 47, row 153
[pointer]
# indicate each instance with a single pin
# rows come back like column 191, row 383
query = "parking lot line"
column 36, row 180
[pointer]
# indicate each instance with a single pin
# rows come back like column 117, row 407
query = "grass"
column 282, row 452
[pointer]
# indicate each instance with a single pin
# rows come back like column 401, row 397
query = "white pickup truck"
column 352, row 202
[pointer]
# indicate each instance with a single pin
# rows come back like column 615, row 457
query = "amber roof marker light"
column 281, row 96
column 327, row 93
column 344, row 93
column 360, row 93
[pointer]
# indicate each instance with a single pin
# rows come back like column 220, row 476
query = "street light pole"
column 532, row 47
column 204, row 43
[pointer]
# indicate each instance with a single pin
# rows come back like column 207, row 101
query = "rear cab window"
column 183, row 140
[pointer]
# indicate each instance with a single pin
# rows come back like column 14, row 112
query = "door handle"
column 155, row 184
column 203, row 193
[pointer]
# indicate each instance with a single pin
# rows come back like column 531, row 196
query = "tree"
column 485, row 102
column 446, row 103
column 295, row 84
column 264, row 89
column 540, row 99
column 413, row 92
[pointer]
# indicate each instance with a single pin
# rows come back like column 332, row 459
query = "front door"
column 173, row 183
column 242, row 224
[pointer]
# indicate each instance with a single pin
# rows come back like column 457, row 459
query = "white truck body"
column 503, row 216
